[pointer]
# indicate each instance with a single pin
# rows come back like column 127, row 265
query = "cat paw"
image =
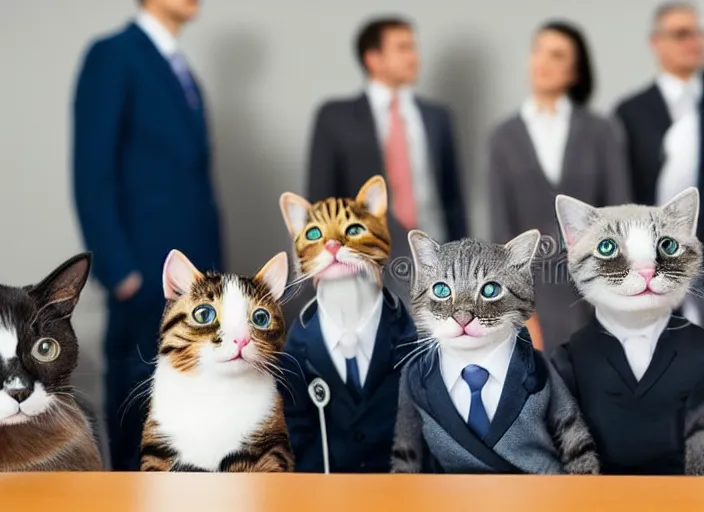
column 587, row 464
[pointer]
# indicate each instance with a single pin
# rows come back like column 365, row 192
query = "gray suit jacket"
column 537, row 427
column 594, row 171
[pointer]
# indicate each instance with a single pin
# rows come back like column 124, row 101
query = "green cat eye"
column 314, row 234
column 441, row 290
column 355, row 230
column 668, row 246
column 491, row 290
column 261, row 318
column 607, row 248
column 204, row 314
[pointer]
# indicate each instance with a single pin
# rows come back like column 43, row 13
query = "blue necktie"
column 180, row 69
column 475, row 377
column 353, row 374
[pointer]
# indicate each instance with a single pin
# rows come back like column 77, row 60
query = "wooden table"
column 134, row 492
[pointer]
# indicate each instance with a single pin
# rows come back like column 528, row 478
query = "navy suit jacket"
column 141, row 163
column 345, row 153
column 360, row 432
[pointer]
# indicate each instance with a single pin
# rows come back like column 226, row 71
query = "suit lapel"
column 527, row 150
column 572, row 156
column 662, row 358
column 321, row 362
column 442, row 407
column 514, row 394
column 658, row 110
column 431, row 135
column 169, row 79
column 381, row 361
column 611, row 348
column 368, row 133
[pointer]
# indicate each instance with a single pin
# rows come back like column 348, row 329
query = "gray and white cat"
column 636, row 262
column 470, row 300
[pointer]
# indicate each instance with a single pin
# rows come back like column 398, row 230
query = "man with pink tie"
column 389, row 130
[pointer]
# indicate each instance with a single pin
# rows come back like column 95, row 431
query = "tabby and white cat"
column 469, row 300
column 42, row 427
column 214, row 402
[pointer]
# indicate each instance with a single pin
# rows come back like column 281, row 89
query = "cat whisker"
column 415, row 352
column 417, row 342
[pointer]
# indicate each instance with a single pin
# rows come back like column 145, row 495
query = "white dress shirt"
column 638, row 344
column 496, row 363
column 164, row 40
column 681, row 148
column 429, row 209
column 549, row 132
column 365, row 335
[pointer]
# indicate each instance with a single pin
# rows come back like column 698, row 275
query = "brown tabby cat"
column 214, row 403
column 338, row 237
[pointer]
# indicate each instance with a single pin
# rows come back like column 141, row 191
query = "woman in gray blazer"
column 554, row 145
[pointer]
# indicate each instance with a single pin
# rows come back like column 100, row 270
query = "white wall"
column 265, row 66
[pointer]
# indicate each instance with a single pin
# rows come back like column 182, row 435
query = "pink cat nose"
column 463, row 318
column 242, row 343
column 647, row 273
column 333, row 246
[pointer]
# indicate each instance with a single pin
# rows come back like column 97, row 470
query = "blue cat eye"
column 355, row 230
column 491, row 290
column 607, row 248
column 261, row 318
column 204, row 314
column 441, row 290
column 314, row 234
column 668, row 246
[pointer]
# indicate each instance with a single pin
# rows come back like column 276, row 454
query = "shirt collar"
column 531, row 110
column 496, row 362
column 380, row 95
column 672, row 87
column 164, row 41
column 651, row 332
column 366, row 331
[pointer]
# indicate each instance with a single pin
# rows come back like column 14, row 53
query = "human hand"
column 128, row 287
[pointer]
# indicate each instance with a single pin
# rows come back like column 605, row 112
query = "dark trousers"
column 130, row 352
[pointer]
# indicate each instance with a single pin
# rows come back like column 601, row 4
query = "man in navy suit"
column 142, row 187
column 389, row 130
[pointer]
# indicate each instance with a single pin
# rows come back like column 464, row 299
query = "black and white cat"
column 42, row 427
column 637, row 370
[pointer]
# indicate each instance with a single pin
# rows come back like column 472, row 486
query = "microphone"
column 319, row 392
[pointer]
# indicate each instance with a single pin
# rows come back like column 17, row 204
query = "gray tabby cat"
column 470, row 300
column 637, row 368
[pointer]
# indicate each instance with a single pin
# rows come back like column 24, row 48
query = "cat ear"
column 63, row 286
column 522, row 248
column 275, row 275
column 179, row 275
column 423, row 249
column 574, row 217
column 295, row 211
column 373, row 196
column 683, row 209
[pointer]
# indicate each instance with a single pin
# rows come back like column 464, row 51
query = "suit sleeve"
column 502, row 205
column 562, row 362
column 300, row 413
column 407, row 451
column 694, row 432
column 323, row 179
column 455, row 191
column 616, row 180
column 99, row 103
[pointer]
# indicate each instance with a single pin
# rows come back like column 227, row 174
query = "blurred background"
column 265, row 66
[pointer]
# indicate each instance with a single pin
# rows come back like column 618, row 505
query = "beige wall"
column 265, row 66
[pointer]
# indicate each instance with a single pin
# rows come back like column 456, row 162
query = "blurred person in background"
column 554, row 145
column 390, row 130
column 663, row 122
column 142, row 185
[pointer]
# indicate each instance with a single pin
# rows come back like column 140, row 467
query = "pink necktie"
column 398, row 168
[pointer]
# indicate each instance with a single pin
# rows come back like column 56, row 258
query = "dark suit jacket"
column 646, row 119
column 141, row 163
column 360, row 431
column 345, row 153
column 639, row 426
